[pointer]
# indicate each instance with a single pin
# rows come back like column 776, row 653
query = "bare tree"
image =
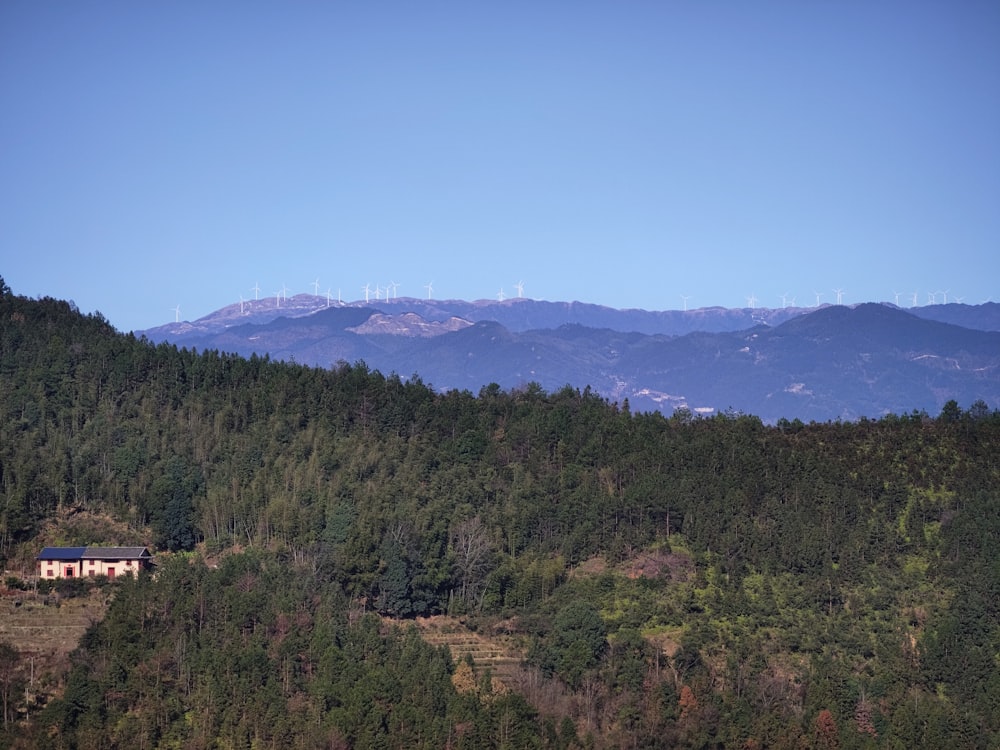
column 9, row 680
column 473, row 555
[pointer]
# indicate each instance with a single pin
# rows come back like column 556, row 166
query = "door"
column 69, row 571
column 111, row 572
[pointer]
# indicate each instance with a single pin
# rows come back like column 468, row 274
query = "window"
column 91, row 563
column 128, row 563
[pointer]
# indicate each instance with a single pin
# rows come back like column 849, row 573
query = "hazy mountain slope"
column 983, row 317
column 489, row 353
column 838, row 362
column 321, row 338
column 834, row 362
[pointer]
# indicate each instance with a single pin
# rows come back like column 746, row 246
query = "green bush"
column 70, row 587
column 15, row 584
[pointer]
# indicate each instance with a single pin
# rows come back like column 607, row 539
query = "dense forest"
column 674, row 581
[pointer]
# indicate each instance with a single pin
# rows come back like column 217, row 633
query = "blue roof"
column 61, row 553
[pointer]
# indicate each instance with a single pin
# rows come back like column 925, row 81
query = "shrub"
column 15, row 584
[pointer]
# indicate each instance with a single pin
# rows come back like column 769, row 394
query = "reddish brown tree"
column 863, row 717
column 688, row 704
column 825, row 731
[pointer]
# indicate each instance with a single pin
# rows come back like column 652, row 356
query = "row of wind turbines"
column 379, row 292
column 788, row 301
column 391, row 291
column 932, row 298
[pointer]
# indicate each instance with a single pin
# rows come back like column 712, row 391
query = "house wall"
column 110, row 568
column 77, row 568
column 59, row 568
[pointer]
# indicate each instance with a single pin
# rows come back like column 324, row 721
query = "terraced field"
column 44, row 630
column 499, row 654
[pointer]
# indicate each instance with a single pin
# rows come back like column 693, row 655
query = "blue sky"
column 625, row 154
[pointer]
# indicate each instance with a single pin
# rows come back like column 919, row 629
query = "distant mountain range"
column 825, row 363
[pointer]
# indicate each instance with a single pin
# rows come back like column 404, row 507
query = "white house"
column 74, row 562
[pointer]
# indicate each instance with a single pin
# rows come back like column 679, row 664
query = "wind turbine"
column 429, row 286
column 819, row 296
column 256, row 290
column 520, row 288
column 277, row 298
column 897, row 297
column 394, row 286
column 500, row 294
column 367, row 289
column 328, row 297
column 315, row 286
column 840, row 296
column 241, row 304
column 284, row 292
column 751, row 301
column 944, row 295
column 378, row 292
column 784, row 300
column 685, row 297
column 914, row 303
column 177, row 313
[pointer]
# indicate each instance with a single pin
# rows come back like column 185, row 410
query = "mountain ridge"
column 522, row 314
column 824, row 363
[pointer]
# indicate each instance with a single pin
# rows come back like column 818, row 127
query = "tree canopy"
column 755, row 583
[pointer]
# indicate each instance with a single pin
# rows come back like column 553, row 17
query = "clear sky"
column 626, row 154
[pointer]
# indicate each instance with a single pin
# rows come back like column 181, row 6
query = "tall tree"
column 473, row 558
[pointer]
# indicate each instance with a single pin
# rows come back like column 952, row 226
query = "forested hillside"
column 680, row 582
